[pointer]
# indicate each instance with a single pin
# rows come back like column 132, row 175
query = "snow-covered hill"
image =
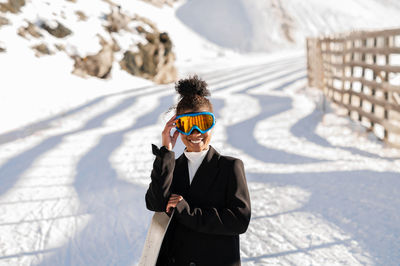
column 270, row 25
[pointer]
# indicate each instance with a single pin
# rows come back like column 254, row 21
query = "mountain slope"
column 268, row 25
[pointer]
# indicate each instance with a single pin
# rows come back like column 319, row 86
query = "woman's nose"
column 195, row 132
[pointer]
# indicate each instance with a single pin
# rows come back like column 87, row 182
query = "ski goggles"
column 202, row 121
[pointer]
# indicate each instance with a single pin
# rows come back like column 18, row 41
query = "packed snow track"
column 323, row 191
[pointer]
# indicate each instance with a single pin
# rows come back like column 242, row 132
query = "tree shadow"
column 32, row 128
column 298, row 250
column 306, row 128
column 117, row 229
column 241, row 135
column 16, row 166
column 265, row 79
column 290, row 82
column 364, row 204
column 263, row 70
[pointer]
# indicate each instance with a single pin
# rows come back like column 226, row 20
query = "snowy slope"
column 270, row 25
column 46, row 82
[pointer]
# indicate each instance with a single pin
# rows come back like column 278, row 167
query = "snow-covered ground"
column 75, row 154
column 324, row 192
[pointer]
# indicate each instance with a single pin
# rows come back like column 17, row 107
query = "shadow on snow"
column 361, row 203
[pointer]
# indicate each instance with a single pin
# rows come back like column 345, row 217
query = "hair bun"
column 192, row 86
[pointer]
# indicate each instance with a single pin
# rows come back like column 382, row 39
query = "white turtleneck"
column 194, row 161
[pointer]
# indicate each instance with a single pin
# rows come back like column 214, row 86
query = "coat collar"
column 204, row 176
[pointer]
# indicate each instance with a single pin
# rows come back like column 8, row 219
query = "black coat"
column 206, row 225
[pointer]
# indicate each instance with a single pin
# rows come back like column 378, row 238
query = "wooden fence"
column 361, row 72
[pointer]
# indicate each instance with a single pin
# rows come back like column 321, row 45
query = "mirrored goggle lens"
column 203, row 122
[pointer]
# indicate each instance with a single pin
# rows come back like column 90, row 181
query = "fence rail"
column 360, row 71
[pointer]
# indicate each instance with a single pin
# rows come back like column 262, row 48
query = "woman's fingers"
column 175, row 137
column 167, row 140
column 172, row 119
column 170, row 206
column 170, row 124
column 173, row 202
column 174, row 199
column 168, row 127
column 176, row 196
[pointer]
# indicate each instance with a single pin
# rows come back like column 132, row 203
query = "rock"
column 13, row 6
column 41, row 49
column 31, row 29
column 287, row 31
column 146, row 21
column 154, row 60
column 164, row 38
column 117, row 20
column 81, row 16
column 60, row 31
column 60, row 47
column 4, row 21
column 131, row 62
column 160, row 3
column 98, row 65
column 167, row 71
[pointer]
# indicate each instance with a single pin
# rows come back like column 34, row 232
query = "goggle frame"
column 196, row 127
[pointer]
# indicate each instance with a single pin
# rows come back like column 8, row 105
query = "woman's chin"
column 196, row 147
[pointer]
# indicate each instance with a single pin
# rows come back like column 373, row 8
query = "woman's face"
column 196, row 141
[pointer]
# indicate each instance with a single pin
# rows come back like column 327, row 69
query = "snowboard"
column 155, row 235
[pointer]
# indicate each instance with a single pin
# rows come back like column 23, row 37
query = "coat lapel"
column 181, row 176
column 206, row 173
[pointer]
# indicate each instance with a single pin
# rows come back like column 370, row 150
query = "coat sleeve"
column 158, row 193
column 231, row 220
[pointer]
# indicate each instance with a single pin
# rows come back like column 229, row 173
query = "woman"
column 207, row 190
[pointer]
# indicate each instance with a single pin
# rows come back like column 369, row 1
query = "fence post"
column 363, row 43
column 352, row 57
column 349, row 59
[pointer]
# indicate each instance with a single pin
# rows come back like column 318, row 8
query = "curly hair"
column 193, row 92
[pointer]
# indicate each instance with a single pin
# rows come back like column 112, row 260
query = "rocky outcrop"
column 31, row 30
column 117, row 20
column 153, row 60
column 4, row 21
column 287, row 21
column 13, row 6
column 98, row 65
column 60, row 47
column 59, row 31
column 151, row 57
column 160, row 3
column 41, row 49
column 81, row 15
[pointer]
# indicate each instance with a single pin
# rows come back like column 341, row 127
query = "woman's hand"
column 167, row 140
column 174, row 199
